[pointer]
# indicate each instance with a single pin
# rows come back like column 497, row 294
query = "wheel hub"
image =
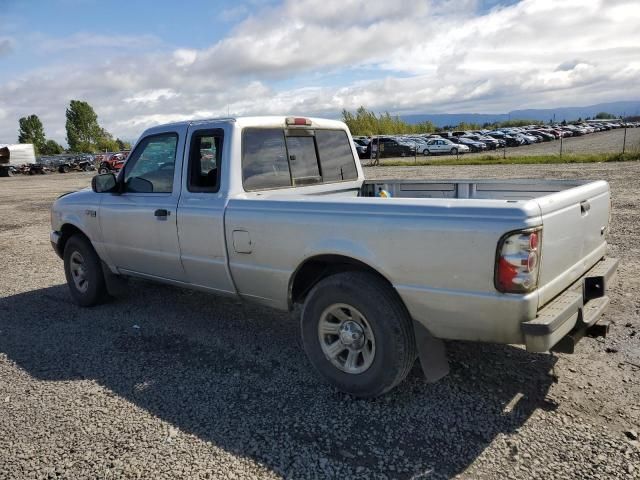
column 79, row 271
column 351, row 334
column 346, row 338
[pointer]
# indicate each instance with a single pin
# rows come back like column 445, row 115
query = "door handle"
column 162, row 212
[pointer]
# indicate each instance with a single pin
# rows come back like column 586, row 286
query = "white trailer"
column 13, row 156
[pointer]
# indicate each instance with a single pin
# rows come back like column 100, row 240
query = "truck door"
column 201, row 210
column 139, row 227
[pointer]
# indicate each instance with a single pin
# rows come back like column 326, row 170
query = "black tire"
column 103, row 169
column 426, row 152
column 454, row 151
column 96, row 290
column 395, row 350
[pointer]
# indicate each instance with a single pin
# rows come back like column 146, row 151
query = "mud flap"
column 116, row 285
column 432, row 353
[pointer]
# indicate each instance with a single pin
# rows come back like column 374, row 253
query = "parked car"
column 490, row 142
column 361, row 147
column 474, row 145
column 113, row 163
column 390, row 147
column 510, row 140
column 511, row 261
column 545, row 136
column 443, row 146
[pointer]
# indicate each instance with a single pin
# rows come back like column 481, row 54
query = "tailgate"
column 575, row 223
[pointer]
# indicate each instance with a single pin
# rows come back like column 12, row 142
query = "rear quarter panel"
column 438, row 254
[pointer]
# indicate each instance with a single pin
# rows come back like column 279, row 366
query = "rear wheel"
column 83, row 271
column 103, row 169
column 362, row 347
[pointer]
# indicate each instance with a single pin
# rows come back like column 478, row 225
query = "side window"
column 151, row 166
column 205, row 156
column 303, row 160
column 336, row 156
column 264, row 159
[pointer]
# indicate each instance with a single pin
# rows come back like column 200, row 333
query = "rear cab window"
column 205, row 156
column 279, row 158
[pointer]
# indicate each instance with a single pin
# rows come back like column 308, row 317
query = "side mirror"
column 104, row 183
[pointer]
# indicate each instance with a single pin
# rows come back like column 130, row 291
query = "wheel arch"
column 320, row 266
column 66, row 232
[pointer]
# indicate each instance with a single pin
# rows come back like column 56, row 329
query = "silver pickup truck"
column 276, row 210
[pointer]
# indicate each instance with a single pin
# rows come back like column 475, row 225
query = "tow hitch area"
column 569, row 341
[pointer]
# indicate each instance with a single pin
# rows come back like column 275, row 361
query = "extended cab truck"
column 277, row 211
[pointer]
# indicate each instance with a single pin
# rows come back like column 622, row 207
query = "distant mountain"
column 546, row 114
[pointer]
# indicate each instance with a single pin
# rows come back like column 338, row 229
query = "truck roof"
column 256, row 121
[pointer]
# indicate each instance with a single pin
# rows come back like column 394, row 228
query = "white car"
column 444, row 146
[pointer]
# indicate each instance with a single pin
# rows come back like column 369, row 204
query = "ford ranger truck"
column 276, row 210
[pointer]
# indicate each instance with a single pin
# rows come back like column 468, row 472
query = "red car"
column 112, row 162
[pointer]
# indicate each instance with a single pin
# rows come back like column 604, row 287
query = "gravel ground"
column 599, row 142
column 167, row 383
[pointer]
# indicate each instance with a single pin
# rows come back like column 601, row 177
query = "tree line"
column 365, row 122
column 84, row 133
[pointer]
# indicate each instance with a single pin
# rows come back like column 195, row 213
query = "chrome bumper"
column 55, row 242
column 567, row 318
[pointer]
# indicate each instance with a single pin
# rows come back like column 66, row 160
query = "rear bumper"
column 567, row 318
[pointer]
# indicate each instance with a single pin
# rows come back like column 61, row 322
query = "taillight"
column 298, row 121
column 518, row 261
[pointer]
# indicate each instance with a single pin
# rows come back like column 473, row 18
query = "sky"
column 141, row 63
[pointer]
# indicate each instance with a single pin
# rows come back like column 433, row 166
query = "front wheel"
column 83, row 271
column 454, row 151
column 426, row 152
column 361, row 347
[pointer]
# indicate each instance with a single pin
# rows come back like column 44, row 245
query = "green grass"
column 532, row 159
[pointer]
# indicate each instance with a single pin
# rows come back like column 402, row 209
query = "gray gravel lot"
column 167, row 383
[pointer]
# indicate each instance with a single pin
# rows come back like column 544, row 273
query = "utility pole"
column 624, row 139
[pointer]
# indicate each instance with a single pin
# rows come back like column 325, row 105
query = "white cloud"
column 152, row 96
column 184, row 57
column 414, row 56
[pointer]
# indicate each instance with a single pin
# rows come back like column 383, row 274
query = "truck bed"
column 468, row 189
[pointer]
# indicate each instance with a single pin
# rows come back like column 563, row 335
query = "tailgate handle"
column 585, row 206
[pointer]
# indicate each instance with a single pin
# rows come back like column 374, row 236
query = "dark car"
column 473, row 145
column 510, row 140
column 490, row 142
column 390, row 147
column 546, row 136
